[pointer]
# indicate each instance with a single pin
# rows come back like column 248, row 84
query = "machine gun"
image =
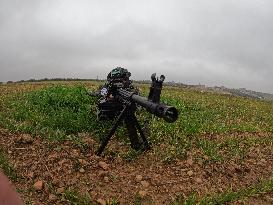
column 119, row 100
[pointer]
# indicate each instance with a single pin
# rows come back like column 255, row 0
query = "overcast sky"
column 211, row 42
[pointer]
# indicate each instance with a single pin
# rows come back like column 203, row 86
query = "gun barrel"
column 168, row 113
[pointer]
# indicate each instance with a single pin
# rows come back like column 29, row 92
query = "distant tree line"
column 57, row 79
column 174, row 84
column 80, row 79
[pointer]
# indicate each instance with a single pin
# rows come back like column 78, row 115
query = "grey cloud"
column 209, row 42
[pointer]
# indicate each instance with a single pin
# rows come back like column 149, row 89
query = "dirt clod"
column 198, row 180
column 138, row 178
column 25, row 139
column 30, row 175
column 145, row 183
column 52, row 197
column 83, row 162
column 101, row 201
column 102, row 173
column 106, row 179
column 142, row 193
column 190, row 173
column 190, row 162
column 38, row 185
column 103, row 165
column 60, row 190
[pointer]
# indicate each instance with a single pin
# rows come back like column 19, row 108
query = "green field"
column 217, row 137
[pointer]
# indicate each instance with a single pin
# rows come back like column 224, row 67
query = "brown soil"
column 65, row 166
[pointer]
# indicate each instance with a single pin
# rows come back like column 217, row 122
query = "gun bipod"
column 132, row 125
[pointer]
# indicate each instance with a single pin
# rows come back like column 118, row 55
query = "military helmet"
column 119, row 73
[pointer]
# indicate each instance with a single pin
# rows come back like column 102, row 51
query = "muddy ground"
column 50, row 172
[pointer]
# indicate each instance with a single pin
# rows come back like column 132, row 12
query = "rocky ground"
column 70, row 173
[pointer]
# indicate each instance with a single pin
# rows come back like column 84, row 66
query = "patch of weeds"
column 211, row 149
column 240, row 147
column 30, row 190
column 191, row 200
column 177, row 149
column 168, row 156
column 77, row 166
column 50, row 187
column 73, row 197
column 168, row 159
column 20, row 190
column 77, row 141
column 178, row 200
column 222, row 198
column 230, row 196
column 51, row 134
column 113, row 178
column 6, row 167
column 54, row 112
column 139, row 200
column 235, row 147
column 29, row 202
column 111, row 154
column 131, row 155
column 112, row 202
column 56, row 148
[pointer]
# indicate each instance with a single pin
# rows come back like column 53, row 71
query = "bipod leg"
column 132, row 130
column 142, row 135
column 112, row 131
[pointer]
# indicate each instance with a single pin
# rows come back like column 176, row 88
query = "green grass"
column 131, row 155
column 263, row 187
column 210, row 149
column 75, row 198
column 139, row 200
column 7, row 167
column 229, row 196
column 55, row 112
